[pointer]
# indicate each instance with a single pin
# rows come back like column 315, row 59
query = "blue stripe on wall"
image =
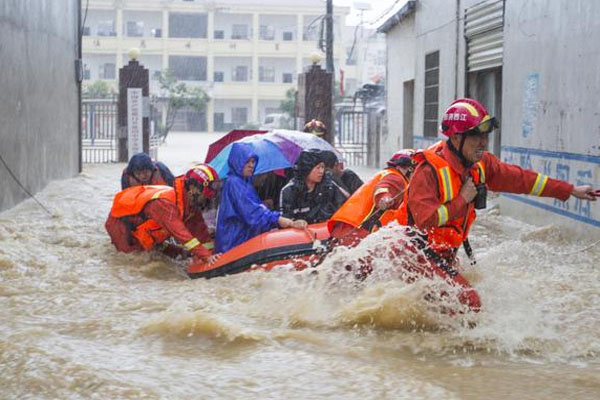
column 555, row 210
column 553, row 154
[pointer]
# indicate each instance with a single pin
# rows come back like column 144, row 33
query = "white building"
column 244, row 54
column 532, row 64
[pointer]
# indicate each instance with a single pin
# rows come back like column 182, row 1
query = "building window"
column 157, row 32
column 287, row 77
column 188, row 68
column 218, row 77
column 86, row 72
column 287, row 36
column 239, row 31
column 107, row 71
column 106, row 28
column 135, row 28
column 86, row 31
column 219, row 34
column 311, row 32
column 239, row 115
column 240, row 73
column 266, row 74
column 189, row 25
column 156, row 75
column 432, row 79
column 267, row 32
column 219, row 121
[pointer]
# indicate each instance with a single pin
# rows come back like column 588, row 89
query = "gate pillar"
column 133, row 121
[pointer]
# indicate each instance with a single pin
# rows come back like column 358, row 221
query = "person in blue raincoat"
column 242, row 215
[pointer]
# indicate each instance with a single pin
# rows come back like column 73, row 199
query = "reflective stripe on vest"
column 448, row 233
column 362, row 203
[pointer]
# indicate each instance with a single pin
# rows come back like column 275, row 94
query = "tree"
column 178, row 95
column 98, row 90
column 288, row 105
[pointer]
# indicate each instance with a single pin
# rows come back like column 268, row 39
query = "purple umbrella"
column 293, row 142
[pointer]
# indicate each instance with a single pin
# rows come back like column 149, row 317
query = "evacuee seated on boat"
column 144, row 217
column 141, row 170
column 268, row 186
column 242, row 215
column 344, row 178
column 310, row 195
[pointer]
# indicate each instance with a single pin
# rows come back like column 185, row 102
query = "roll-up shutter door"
column 484, row 23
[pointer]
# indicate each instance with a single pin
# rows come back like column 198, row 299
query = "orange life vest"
column 361, row 204
column 132, row 201
column 449, row 234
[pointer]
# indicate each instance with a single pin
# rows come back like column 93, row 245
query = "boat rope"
column 10, row 172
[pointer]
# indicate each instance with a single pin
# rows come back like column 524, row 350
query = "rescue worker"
column 315, row 127
column 141, row 170
column 144, row 217
column 344, row 178
column 375, row 203
column 241, row 214
column 310, row 195
column 451, row 181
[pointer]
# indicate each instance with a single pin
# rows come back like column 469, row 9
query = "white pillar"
column 120, row 34
column 165, row 39
column 255, row 31
column 299, row 42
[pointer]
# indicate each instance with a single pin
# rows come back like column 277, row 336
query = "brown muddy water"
column 80, row 321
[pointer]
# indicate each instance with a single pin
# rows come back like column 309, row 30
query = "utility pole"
column 329, row 36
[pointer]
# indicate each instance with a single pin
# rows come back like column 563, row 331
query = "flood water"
column 80, row 321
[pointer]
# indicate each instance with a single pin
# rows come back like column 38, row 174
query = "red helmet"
column 466, row 115
column 202, row 175
column 315, row 127
column 402, row 158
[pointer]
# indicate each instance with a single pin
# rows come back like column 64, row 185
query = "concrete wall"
column 39, row 101
column 401, row 58
column 551, row 106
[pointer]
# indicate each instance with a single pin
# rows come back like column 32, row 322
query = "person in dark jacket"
column 141, row 170
column 345, row 178
column 268, row 186
column 310, row 195
column 241, row 214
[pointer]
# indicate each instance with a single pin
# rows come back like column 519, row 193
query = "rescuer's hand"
column 468, row 190
column 584, row 192
column 213, row 259
column 385, row 202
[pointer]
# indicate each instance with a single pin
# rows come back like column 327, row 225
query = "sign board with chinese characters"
column 135, row 131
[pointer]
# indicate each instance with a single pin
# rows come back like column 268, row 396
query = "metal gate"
column 352, row 136
column 99, row 131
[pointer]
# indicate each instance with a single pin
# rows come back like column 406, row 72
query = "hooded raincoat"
column 161, row 174
column 241, row 214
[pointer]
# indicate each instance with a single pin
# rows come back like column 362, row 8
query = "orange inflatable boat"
column 306, row 248
column 283, row 246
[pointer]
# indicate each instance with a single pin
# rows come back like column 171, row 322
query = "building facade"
column 39, row 101
column 531, row 64
column 245, row 54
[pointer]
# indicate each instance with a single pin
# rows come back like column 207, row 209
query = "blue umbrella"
column 270, row 156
